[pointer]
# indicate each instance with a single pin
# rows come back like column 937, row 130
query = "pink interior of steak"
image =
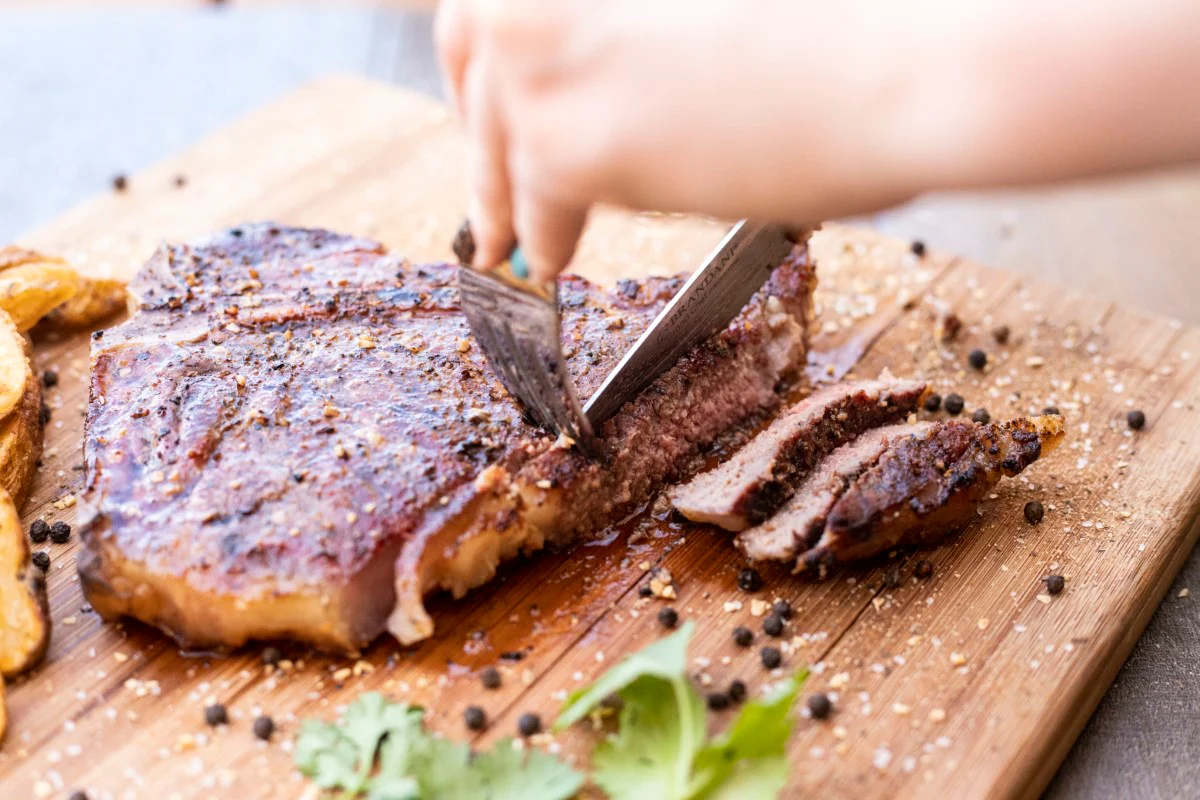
column 797, row 526
column 759, row 478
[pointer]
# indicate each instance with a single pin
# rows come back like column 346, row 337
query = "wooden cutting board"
column 970, row 684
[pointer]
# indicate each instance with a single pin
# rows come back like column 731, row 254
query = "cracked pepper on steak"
column 294, row 436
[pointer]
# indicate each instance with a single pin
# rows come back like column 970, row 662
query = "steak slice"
column 798, row 525
column 927, row 486
column 294, row 435
column 760, row 477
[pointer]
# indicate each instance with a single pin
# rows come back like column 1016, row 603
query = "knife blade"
column 711, row 298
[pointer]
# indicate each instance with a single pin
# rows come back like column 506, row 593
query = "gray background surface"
column 87, row 94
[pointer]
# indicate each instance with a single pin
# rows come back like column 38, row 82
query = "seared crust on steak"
column 927, row 486
column 798, row 525
column 763, row 475
column 294, row 436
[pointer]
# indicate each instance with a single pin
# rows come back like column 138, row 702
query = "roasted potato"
column 15, row 371
column 21, row 434
column 24, row 611
column 97, row 299
column 31, row 291
column 35, row 287
column 13, row 256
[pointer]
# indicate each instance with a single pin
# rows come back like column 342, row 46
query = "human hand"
column 659, row 104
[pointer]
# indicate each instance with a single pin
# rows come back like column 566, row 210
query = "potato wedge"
column 21, row 435
column 24, row 610
column 13, row 256
column 31, row 291
column 15, row 370
column 97, row 299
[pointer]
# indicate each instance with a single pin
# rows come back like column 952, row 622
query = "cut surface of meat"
column 295, row 437
column 760, row 477
column 926, row 487
column 798, row 525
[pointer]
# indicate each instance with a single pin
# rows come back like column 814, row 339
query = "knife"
column 714, row 294
column 517, row 324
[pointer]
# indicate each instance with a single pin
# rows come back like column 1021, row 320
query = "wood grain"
column 118, row 711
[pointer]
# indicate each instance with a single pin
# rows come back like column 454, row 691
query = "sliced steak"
column 798, row 525
column 294, row 436
column 926, row 487
column 760, row 477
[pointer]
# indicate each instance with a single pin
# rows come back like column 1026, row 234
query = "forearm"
column 1022, row 92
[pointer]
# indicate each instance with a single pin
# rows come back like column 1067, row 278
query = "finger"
column 452, row 35
column 489, row 208
column 548, row 231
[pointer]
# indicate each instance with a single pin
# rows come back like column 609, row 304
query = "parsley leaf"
column 661, row 729
column 666, row 658
column 760, row 733
column 660, row 749
column 381, row 749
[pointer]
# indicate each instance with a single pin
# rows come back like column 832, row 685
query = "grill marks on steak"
column 798, row 525
column 763, row 475
column 295, row 437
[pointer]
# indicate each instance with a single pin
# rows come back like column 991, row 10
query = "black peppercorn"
column 819, row 705
column 60, row 532
column 475, row 718
column 490, row 678
column 271, row 656
column 771, row 657
column 773, row 625
column 783, row 608
column 668, row 618
column 977, row 359
column 1051, row 410
column 41, row 560
column 891, row 577
column 180, row 181
column 1055, row 583
column 981, row 416
column 1001, row 334
column 39, row 531
column 924, row 570
column 918, row 248
column 644, row 590
column 264, row 726
column 529, row 724
column 1136, row 420
column 749, row 580
column 78, row 794
column 737, row 691
column 120, row 183
column 49, row 379
column 1034, row 512
column 215, row 715
column 743, row 636
column 933, row 403
column 718, row 701
column 954, row 404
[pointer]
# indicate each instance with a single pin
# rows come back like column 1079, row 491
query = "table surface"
column 92, row 93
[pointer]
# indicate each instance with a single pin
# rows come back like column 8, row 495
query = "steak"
column 763, row 475
column 926, row 487
column 797, row 526
column 294, row 435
